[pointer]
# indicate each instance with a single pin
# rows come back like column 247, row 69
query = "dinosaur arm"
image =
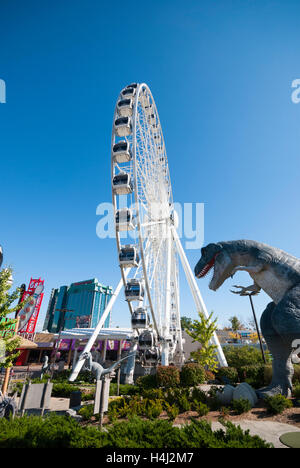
column 245, row 291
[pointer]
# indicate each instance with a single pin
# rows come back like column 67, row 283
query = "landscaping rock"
column 246, row 392
column 225, row 396
column 72, row 414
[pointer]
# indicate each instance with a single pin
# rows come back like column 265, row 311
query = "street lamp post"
column 252, row 291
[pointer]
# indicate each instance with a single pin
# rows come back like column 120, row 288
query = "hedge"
column 61, row 432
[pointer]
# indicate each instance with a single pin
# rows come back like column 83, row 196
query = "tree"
column 6, row 324
column 235, row 325
column 202, row 331
column 186, row 322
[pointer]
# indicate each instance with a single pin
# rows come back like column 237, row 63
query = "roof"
column 44, row 337
column 24, row 343
column 104, row 334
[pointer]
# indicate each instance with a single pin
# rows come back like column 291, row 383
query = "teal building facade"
column 79, row 305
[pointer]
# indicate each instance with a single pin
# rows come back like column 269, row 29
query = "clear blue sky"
column 221, row 74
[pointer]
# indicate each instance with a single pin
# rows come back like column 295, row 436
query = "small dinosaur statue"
column 278, row 274
column 97, row 369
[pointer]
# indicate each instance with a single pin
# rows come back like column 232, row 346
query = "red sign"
column 29, row 314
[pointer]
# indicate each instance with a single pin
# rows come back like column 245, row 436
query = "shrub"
column 192, row 374
column 209, row 375
column 241, row 406
column 125, row 389
column 244, row 356
column 201, row 408
column 224, row 410
column 228, row 375
column 146, row 381
column 152, row 409
column 172, row 411
column 86, row 396
column 277, row 404
column 167, row 376
column 198, row 395
column 63, row 390
column 53, row 431
column 183, row 403
column 296, row 391
column 253, row 375
column 60, row 432
column 87, row 412
column 153, row 394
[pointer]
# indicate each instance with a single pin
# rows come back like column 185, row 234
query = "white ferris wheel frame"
column 173, row 247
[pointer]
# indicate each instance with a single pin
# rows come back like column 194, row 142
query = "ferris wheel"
column 145, row 222
column 148, row 246
column 144, row 216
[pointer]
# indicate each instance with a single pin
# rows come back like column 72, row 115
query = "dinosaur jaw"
column 223, row 268
column 202, row 273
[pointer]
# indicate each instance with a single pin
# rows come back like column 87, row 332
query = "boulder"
column 246, row 392
column 225, row 396
column 72, row 414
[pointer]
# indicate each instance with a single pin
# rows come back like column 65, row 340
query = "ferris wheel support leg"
column 178, row 324
column 130, row 364
column 196, row 294
column 166, row 326
column 94, row 336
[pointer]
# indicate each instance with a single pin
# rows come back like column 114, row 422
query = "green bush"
column 172, row 411
column 201, row 408
column 153, row 394
column 192, row 374
column 198, row 395
column 50, row 432
column 238, row 356
column 241, row 406
column 209, row 375
column 296, row 391
column 227, row 375
column 152, row 409
column 125, row 389
column 277, row 404
column 167, row 376
column 60, row 432
column 253, row 375
column 63, row 390
column 147, row 381
column 87, row 412
column 86, row 396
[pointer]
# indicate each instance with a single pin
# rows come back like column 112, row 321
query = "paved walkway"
column 267, row 430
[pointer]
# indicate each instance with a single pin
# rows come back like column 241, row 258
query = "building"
column 79, row 305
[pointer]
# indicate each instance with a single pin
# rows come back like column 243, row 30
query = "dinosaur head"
column 214, row 256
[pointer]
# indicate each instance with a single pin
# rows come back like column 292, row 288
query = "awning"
column 104, row 334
